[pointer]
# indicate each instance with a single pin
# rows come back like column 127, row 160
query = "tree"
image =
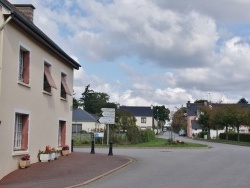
column 179, row 120
column 76, row 103
column 205, row 118
column 161, row 114
column 94, row 101
column 242, row 101
column 200, row 101
column 123, row 120
column 233, row 115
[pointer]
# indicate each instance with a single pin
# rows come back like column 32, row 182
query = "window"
column 21, row 132
column 64, row 87
column 24, row 65
column 76, row 128
column 62, row 133
column 143, row 120
column 48, row 81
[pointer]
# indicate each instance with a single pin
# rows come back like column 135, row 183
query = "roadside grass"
column 156, row 143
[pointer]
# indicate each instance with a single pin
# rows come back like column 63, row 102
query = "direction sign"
column 107, row 120
column 108, row 113
column 108, row 109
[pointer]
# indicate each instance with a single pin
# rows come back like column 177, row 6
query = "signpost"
column 107, row 118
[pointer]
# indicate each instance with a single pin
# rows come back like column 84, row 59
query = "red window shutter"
column 25, row 132
column 26, row 67
column 63, row 124
column 49, row 76
column 66, row 88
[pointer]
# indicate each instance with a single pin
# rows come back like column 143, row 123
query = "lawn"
column 156, row 143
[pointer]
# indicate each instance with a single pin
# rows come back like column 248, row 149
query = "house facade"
column 84, row 121
column 144, row 116
column 193, row 128
column 36, row 83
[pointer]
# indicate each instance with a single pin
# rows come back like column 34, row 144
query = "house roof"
column 139, row 110
column 83, row 116
column 29, row 27
column 193, row 107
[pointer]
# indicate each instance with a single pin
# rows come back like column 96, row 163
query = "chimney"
column 26, row 9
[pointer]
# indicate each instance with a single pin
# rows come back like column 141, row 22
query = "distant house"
column 193, row 127
column 36, row 86
column 144, row 116
column 84, row 121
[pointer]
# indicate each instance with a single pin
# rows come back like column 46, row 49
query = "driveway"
column 221, row 166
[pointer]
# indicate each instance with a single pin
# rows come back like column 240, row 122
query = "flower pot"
column 65, row 152
column 44, row 157
column 24, row 164
column 52, row 156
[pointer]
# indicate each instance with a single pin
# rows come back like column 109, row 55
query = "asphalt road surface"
column 221, row 166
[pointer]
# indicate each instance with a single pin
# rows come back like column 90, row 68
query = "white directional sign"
column 108, row 113
column 107, row 120
column 108, row 116
column 108, row 109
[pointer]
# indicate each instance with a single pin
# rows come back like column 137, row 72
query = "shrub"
column 233, row 137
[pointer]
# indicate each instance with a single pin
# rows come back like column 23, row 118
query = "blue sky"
column 160, row 52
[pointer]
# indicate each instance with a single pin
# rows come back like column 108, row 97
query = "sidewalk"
column 68, row 171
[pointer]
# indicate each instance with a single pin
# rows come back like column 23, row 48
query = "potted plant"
column 24, row 161
column 65, row 150
column 53, row 154
column 45, row 156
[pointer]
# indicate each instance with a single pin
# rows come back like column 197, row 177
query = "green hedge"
column 233, row 137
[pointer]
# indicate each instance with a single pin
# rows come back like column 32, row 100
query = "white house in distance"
column 144, row 116
column 84, row 121
column 36, row 83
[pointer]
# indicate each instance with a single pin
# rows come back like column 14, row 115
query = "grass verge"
column 156, row 143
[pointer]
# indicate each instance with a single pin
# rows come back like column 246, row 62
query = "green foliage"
column 161, row 113
column 202, row 134
column 94, row 101
column 147, row 135
column 242, row 101
column 234, row 137
column 133, row 135
column 179, row 120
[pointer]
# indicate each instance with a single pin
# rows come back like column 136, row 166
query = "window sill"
column 63, row 99
column 23, row 84
column 17, row 153
column 47, row 93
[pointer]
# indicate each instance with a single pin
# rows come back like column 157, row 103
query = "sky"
column 153, row 52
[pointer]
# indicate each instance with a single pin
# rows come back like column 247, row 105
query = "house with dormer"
column 36, row 86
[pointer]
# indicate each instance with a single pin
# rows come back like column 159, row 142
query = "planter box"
column 52, row 156
column 65, row 152
column 44, row 157
column 24, row 164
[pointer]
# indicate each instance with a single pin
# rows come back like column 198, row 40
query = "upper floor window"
column 24, row 66
column 21, row 132
column 64, row 87
column 48, row 81
column 143, row 120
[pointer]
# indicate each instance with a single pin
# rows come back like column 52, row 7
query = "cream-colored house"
column 144, row 116
column 36, row 83
column 84, row 121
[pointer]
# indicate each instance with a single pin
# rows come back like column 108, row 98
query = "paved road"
column 222, row 166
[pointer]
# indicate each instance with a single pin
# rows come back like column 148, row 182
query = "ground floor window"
column 76, row 128
column 21, row 132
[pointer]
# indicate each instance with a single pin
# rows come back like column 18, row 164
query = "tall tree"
column 94, row 101
column 242, row 101
column 205, row 118
column 179, row 120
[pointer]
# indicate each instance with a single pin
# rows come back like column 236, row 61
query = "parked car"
column 164, row 129
column 182, row 132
